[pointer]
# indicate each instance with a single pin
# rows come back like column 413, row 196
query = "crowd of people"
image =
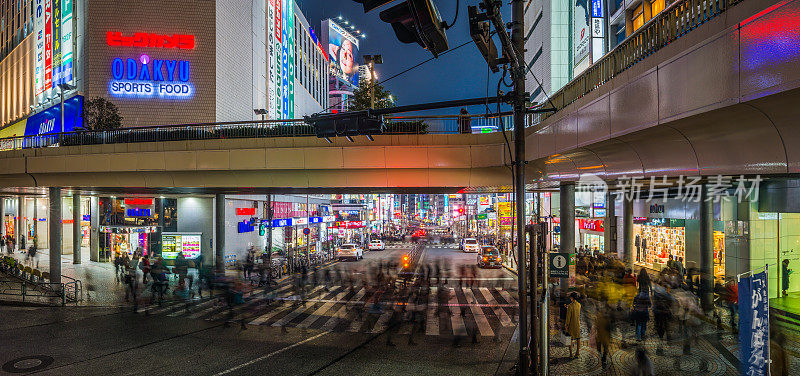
column 607, row 297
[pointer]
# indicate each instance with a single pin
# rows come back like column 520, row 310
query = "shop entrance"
column 655, row 239
column 114, row 241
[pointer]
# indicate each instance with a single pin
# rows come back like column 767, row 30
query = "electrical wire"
column 402, row 72
column 458, row 5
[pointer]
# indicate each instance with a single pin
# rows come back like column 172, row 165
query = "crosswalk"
column 485, row 310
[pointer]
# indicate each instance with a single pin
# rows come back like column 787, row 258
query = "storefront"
column 656, row 239
column 591, row 235
column 176, row 243
column 117, row 240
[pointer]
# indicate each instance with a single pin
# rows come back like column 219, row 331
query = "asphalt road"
column 173, row 340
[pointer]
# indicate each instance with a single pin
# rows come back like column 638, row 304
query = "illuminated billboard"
column 280, row 59
column 581, row 36
column 343, row 50
column 142, row 76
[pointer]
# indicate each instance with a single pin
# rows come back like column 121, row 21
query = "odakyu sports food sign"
column 143, row 76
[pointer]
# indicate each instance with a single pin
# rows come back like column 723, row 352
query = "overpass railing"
column 672, row 23
column 394, row 125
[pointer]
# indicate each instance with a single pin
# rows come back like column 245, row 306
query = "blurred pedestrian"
column 602, row 327
column 643, row 281
column 640, row 313
column 643, row 366
column 785, row 273
column 732, row 301
column 573, row 324
column 662, row 313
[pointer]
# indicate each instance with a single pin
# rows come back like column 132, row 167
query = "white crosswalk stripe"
column 456, row 320
column 477, row 313
column 341, row 309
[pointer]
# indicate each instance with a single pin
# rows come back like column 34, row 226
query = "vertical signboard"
column 285, row 59
column 279, row 6
column 271, row 61
column 38, row 26
column 754, row 324
column 66, row 41
column 598, row 30
column 291, row 48
column 581, row 36
column 48, row 44
column 56, row 43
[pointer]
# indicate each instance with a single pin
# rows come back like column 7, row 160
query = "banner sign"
column 754, row 325
column 38, row 29
column 48, row 44
column 56, row 43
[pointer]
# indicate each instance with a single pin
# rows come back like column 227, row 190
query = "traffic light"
column 416, row 21
column 261, row 229
column 346, row 124
column 480, row 32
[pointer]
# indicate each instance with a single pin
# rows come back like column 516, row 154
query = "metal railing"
column 72, row 289
column 395, row 125
column 35, row 292
column 672, row 23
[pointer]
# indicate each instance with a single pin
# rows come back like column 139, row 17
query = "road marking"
column 380, row 325
column 263, row 318
column 499, row 312
column 300, row 309
column 480, row 317
column 432, row 319
column 342, row 312
column 456, row 320
column 167, row 308
column 256, row 360
column 185, row 310
column 318, row 313
column 247, row 304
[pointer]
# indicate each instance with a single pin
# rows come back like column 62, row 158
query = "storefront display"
column 173, row 244
column 657, row 239
column 118, row 240
column 591, row 235
column 719, row 254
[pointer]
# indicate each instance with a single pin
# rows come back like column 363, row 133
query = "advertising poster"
column 174, row 244
column 581, row 34
column 754, row 325
column 271, row 61
column 66, row 41
column 343, row 51
column 56, row 43
column 48, row 44
column 49, row 120
column 38, row 29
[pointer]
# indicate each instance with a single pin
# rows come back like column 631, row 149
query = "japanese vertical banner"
column 754, row 325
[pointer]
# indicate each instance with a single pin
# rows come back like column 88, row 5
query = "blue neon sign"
column 282, row 222
column 245, row 226
column 597, row 8
column 314, row 219
column 138, row 212
column 145, row 78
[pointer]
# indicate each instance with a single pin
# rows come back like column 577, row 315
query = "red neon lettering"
column 245, row 211
column 139, row 201
column 179, row 41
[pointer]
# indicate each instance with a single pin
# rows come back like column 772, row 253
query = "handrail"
column 672, row 23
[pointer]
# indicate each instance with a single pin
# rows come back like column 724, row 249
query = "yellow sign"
column 13, row 130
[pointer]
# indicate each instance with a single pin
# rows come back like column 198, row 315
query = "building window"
column 656, row 6
column 638, row 18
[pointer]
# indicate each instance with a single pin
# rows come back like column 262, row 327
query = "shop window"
column 656, row 6
column 638, row 19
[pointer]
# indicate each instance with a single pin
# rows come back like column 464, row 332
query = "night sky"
column 459, row 74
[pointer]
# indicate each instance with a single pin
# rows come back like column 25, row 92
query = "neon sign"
column 150, row 78
column 138, row 212
column 179, row 41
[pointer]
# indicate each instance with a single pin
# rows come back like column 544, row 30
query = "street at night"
column 400, row 187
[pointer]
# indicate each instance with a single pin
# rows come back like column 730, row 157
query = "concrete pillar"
column 706, row 251
column 18, row 229
column 567, row 196
column 76, row 228
column 610, row 224
column 94, row 229
column 35, row 223
column 55, row 234
column 627, row 231
column 219, row 224
column 2, row 219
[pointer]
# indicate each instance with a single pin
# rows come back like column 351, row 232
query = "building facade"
column 159, row 62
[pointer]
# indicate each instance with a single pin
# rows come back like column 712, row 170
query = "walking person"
column 643, row 281
column 662, row 313
column 785, row 273
column 644, row 366
column 602, row 325
column 573, row 324
column 640, row 313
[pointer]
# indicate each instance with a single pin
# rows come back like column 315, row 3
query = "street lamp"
column 371, row 60
column 262, row 112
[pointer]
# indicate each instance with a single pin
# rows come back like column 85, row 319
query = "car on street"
column 471, row 245
column 377, row 245
column 489, row 257
column 350, row 251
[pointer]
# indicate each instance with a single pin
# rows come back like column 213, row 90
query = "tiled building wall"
column 16, row 83
column 165, row 17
